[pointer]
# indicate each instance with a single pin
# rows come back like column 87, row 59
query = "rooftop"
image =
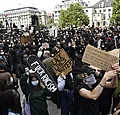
column 103, row 3
column 21, row 8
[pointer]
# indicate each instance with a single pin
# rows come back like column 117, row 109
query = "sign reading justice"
column 61, row 63
column 99, row 58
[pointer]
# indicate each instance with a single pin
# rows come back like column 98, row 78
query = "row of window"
column 23, row 22
column 56, row 15
column 104, row 10
column 104, row 23
column 20, row 10
column 16, row 14
column 109, row 10
column 104, row 16
column 57, row 12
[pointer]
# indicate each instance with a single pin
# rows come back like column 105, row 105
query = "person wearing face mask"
column 88, row 90
column 35, row 91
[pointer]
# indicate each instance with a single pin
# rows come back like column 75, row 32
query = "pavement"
column 52, row 108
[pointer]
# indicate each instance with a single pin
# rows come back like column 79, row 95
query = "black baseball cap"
column 85, row 69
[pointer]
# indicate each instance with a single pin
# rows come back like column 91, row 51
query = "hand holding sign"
column 110, row 74
column 99, row 58
column 42, row 73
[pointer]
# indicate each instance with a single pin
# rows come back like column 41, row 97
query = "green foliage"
column 116, row 12
column 1, row 22
column 74, row 15
column 42, row 27
column 50, row 22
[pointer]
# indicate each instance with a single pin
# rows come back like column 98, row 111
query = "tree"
column 42, row 26
column 115, row 12
column 74, row 15
column 51, row 22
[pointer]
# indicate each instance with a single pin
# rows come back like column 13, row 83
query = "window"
column 95, row 11
column 86, row 10
column 109, row 10
column 104, row 10
column 100, row 11
column 98, row 23
column 104, row 23
column 104, row 16
column 109, row 16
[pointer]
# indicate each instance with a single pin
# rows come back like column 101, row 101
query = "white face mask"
column 35, row 83
column 90, row 80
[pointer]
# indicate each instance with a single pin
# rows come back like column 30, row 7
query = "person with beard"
column 88, row 90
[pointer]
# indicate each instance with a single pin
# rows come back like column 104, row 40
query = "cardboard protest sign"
column 115, row 52
column 41, row 72
column 99, row 58
column 26, row 39
column 61, row 63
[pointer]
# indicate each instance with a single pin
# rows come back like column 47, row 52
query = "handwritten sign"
column 99, row 58
column 61, row 63
column 115, row 52
column 26, row 39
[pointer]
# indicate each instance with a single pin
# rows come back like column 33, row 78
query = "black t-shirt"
column 85, row 106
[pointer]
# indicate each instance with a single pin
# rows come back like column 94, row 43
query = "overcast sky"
column 48, row 5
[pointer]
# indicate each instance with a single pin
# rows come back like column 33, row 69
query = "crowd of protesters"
column 83, row 91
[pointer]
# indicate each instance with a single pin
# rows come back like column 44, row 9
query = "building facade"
column 64, row 5
column 22, row 17
column 100, row 13
column 44, row 17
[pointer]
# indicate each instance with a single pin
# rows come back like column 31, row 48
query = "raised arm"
column 95, row 93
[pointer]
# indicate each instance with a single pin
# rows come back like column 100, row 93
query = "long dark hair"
column 12, row 100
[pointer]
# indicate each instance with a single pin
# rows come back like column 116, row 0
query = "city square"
column 60, row 57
